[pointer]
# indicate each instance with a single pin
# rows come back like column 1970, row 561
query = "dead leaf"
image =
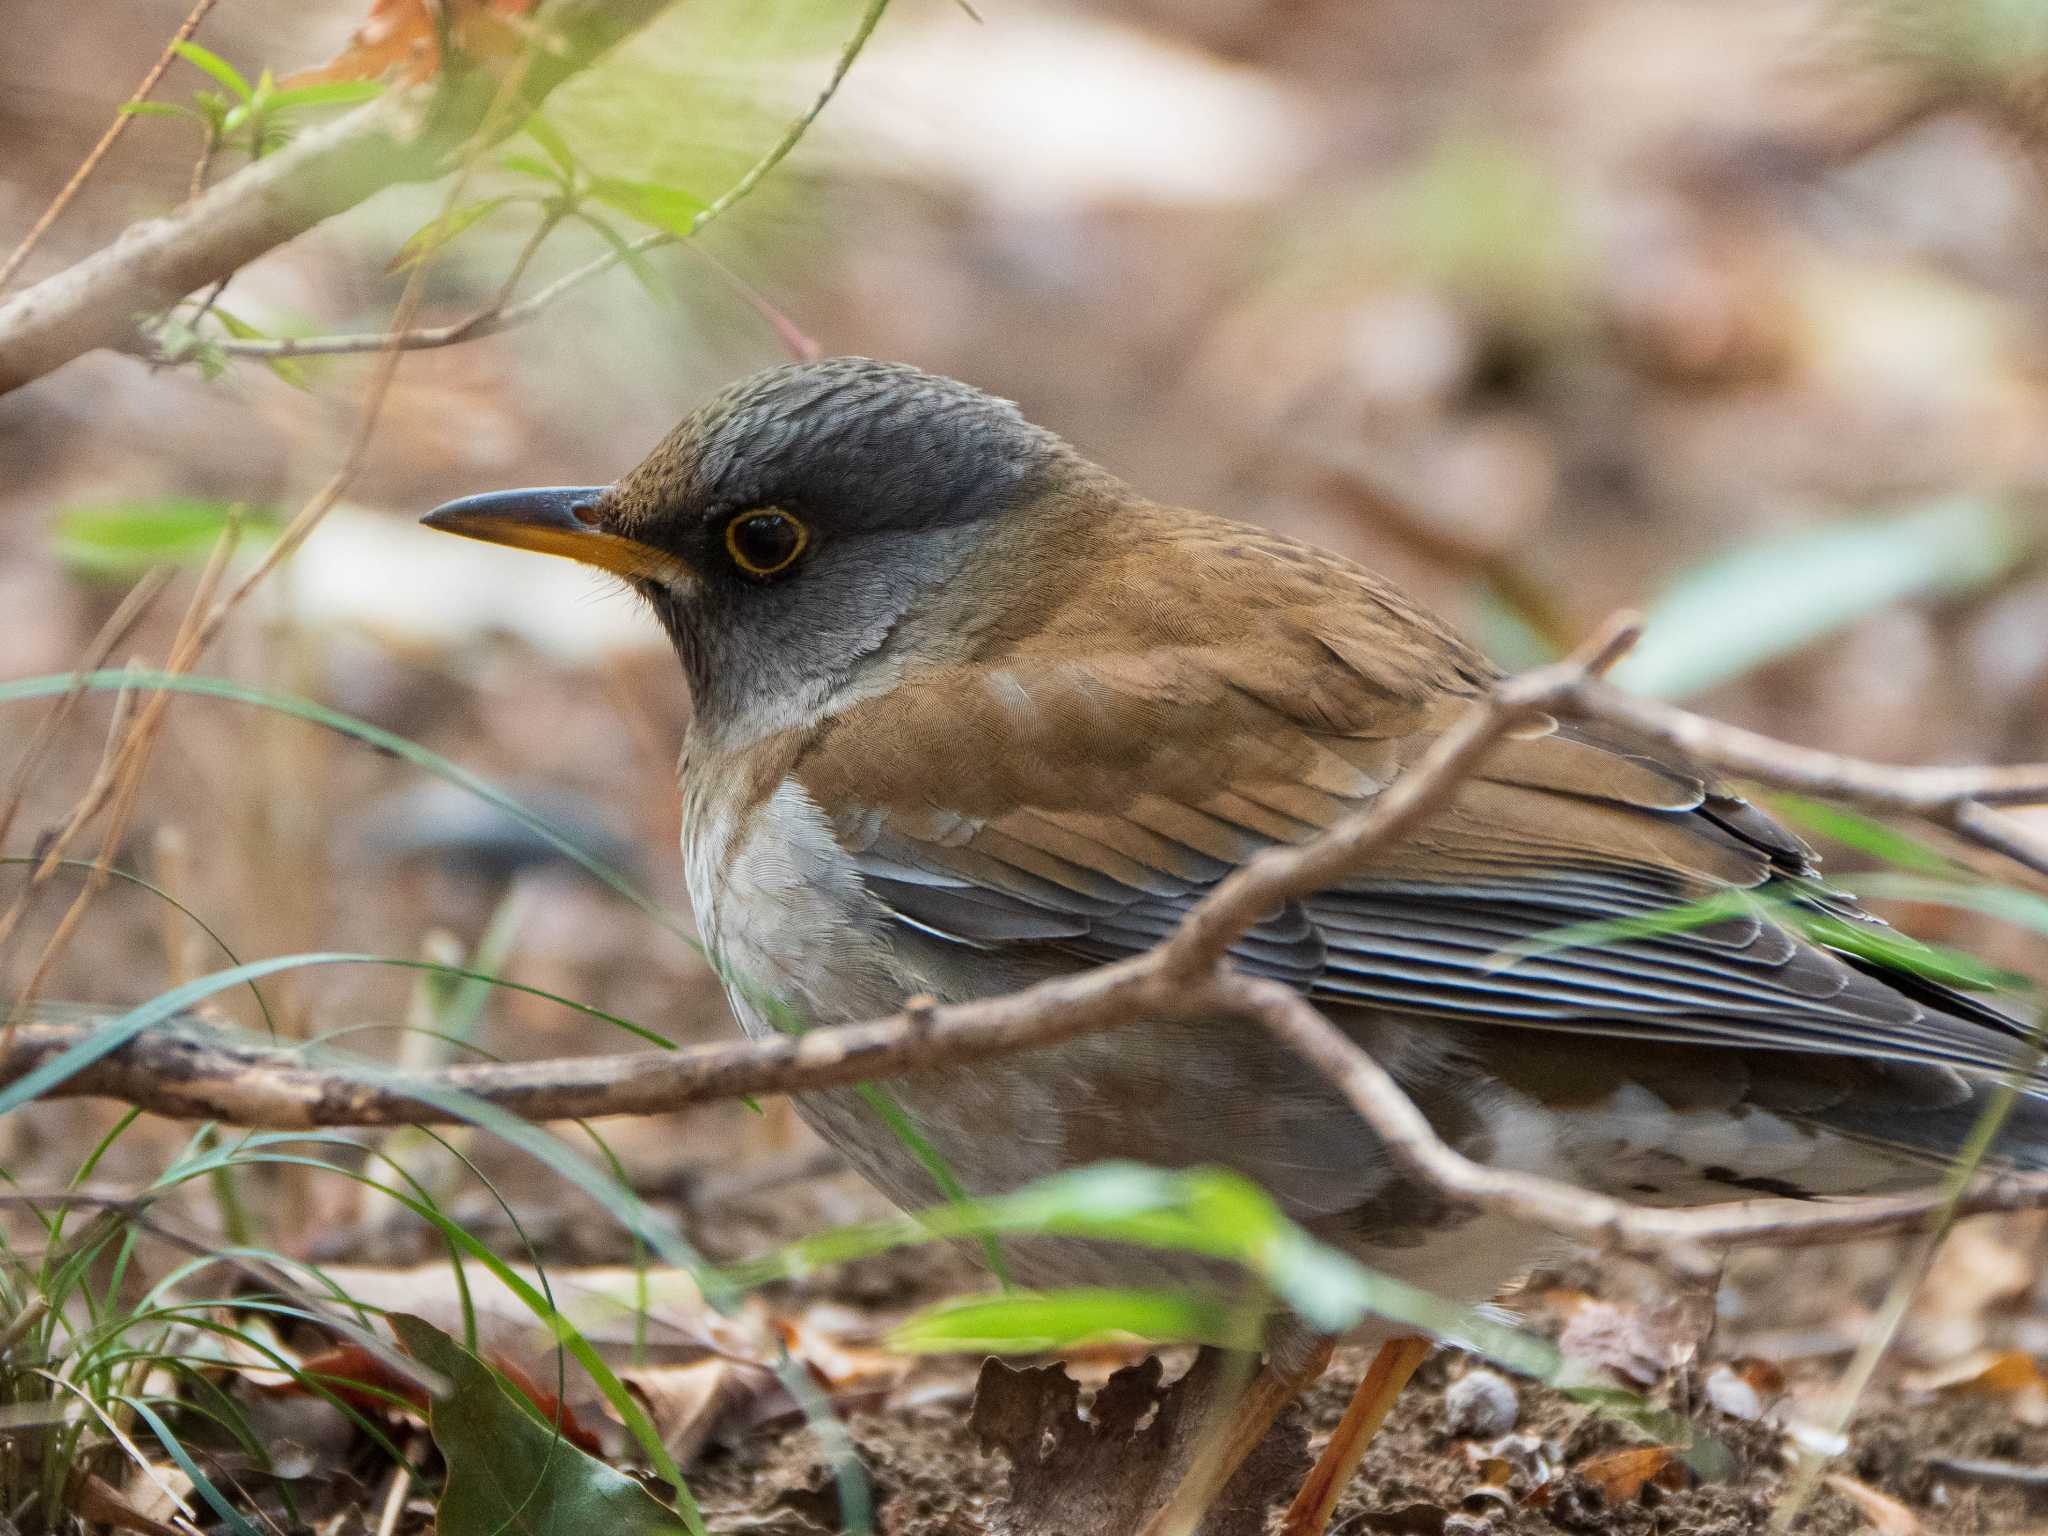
column 98, row 1502
column 1104, row 1472
column 689, row 1404
column 1885, row 1514
column 402, row 36
column 367, row 1383
column 1635, row 1345
column 1620, row 1475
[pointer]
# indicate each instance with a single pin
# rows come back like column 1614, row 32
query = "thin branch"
column 487, row 321
column 98, row 152
column 211, row 1075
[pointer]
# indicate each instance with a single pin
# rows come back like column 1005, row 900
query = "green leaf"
column 1769, row 598
column 510, row 1472
column 2023, row 909
column 1206, row 1211
column 1896, row 951
column 437, row 232
column 1034, row 1322
column 1854, row 830
column 1681, row 918
column 544, row 133
column 216, row 66
column 290, row 369
column 332, row 93
column 633, row 261
column 529, row 165
column 126, row 537
column 650, row 202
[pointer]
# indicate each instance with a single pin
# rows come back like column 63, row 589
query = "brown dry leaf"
column 1620, row 1475
column 98, row 1502
column 2009, row 1374
column 1495, row 1472
column 1885, row 1514
column 1636, row 1345
column 402, row 36
column 367, row 1383
column 1104, row 1473
column 689, row 1404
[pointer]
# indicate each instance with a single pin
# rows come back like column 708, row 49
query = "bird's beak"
column 551, row 520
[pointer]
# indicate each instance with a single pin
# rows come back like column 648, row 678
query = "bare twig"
column 488, row 321
column 210, row 1075
column 98, row 152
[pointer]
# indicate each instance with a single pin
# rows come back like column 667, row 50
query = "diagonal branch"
column 208, row 1074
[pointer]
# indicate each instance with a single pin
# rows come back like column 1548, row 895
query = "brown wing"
column 1058, row 791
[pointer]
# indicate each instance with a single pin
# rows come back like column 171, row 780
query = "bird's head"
column 788, row 529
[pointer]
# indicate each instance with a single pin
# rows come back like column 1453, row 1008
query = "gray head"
column 785, row 531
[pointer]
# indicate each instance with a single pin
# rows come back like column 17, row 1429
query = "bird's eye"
column 765, row 542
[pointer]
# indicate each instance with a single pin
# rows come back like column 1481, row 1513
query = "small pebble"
column 1467, row 1525
column 1481, row 1405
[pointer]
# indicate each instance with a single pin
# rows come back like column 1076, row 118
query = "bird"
column 968, row 712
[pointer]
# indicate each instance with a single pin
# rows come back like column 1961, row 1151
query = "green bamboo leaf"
column 124, row 538
column 1035, row 1322
column 544, row 133
column 290, row 369
column 1764, row 601
column 216, row 66
column 2023, row 909
column 1853, row 830
column 331, row 93
column 651, row 202
column 437, row 232
column 634, row 261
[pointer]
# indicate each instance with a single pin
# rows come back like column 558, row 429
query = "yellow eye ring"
column 765, row 541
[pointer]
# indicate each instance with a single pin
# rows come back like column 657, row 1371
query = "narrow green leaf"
column 1852, row 829
column 634, row 261
column 290, row 369
column 331, row 93
column 1763, row 601
column 216, row 66
column 529, row 165
column 1682, row 918
column 544, row 133
column 509, row 1470
column 2023, row 909
column 437, row 232
column 127, row 537
column 1896, row 951
column 1034, row 1322
column 665, row 207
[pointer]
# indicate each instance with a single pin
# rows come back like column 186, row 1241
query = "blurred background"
column 1735, row 311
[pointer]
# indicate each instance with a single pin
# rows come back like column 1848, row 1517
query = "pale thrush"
column 968, row 712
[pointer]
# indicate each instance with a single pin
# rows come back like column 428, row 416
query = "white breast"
column 787, row 922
